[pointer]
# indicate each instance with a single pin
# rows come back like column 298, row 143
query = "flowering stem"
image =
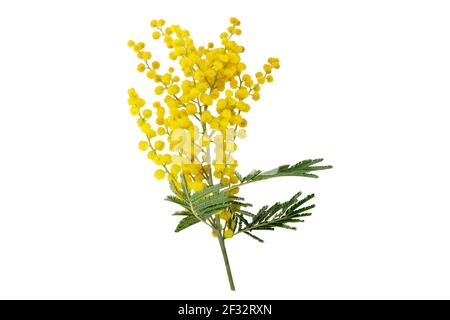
column 224, row 252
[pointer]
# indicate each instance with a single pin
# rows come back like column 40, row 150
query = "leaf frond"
column 201, row 205
column 300, row 169
column 278, row 215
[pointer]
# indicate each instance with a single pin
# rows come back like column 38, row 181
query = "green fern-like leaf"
column 301, row 169
column 186, row 222
column 279, row 215
column 201, row 205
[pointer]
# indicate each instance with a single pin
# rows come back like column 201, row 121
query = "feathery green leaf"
column 301, row 169
column 279, row 215
column 186, row 222
column 203, row 204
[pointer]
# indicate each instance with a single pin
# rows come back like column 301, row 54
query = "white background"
column 364, row 84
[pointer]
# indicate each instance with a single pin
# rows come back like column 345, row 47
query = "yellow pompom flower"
column 139, row 46
column 191, row 108
column 141, row 67
column 146, row 128
column 224, row 215
column 227, row 234
column 274, row 62
column 134, row 110
column 156, row 65
column 235, row 21
column 159, row 121
column 226, row 114
column 244, row 107
column 159, row 90
column 147, row 113
column 159, row 145
column 173, row 90
column 161, row 131
column 140, row 122
column 206, row 99
column 157, row 160
column 143, row 145
column 151, row 154
column 151, row 74
column 156, row 35
column 267, row 68
column 233, row 180
column 160, row 174
column 166, row 159
column 151, row 133
column 241, row 93
column 206, row 116
column 146, row 55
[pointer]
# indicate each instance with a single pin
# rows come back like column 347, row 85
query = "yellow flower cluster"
column 201, row 111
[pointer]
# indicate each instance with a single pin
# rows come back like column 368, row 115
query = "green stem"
column 224, row 253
